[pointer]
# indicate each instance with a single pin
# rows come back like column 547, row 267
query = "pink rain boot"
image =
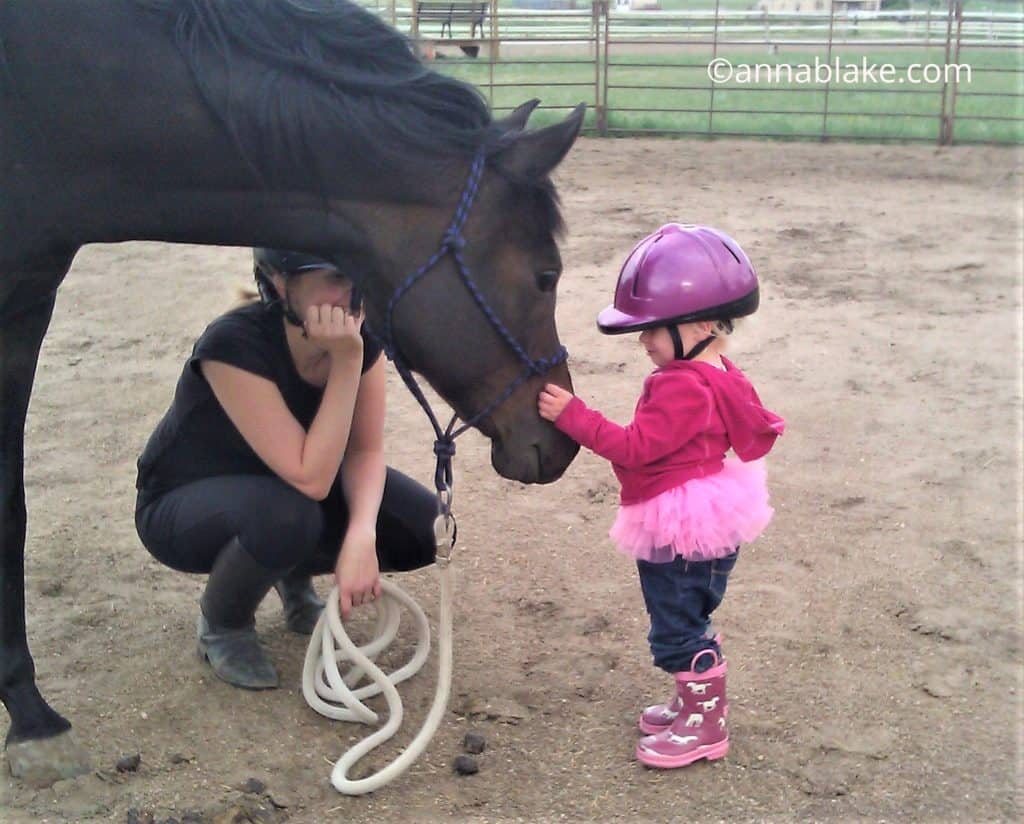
column 699, row 729
column 659, row 717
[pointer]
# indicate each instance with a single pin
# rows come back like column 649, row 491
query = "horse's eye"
column 547, row 280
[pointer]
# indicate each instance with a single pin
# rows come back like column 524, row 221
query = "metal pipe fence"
column 941, row 75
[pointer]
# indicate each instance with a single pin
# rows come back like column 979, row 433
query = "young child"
column 685, row 507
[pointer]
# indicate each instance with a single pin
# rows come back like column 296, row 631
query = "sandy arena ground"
column 873, row 633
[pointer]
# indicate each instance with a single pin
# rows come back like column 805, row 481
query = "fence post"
column 601, row 22
column 714, row 55
column 828, row 61
column 495, row 44
column 945, row 121
column 956, row 77
column 492, row 53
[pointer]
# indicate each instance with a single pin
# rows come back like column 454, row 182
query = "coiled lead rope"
column 331, row 694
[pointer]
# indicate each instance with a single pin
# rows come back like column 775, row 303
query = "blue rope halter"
column 452, row 243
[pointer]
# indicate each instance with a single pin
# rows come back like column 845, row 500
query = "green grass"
column 680, row 82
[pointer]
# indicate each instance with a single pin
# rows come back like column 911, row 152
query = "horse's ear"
column 532, row 155
column 515, row 121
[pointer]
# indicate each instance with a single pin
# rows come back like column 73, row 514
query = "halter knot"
column 453, row 240
column 444, row 448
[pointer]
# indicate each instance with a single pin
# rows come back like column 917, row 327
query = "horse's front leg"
column 40, row 749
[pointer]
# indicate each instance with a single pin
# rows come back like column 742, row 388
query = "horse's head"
column 511, row 256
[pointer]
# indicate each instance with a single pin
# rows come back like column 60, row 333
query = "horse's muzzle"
column 541, row 459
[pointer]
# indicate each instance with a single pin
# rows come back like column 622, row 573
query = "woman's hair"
column 244, row 296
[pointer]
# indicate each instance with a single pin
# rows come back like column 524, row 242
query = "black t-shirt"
column 196, row 438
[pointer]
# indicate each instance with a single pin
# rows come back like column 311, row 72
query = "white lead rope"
column 331, row 694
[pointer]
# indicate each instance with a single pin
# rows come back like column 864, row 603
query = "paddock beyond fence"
column 822, row 75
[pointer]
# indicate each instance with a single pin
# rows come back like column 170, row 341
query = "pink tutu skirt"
column 701, row 519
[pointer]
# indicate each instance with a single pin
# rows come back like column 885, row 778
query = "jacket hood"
column 752, row 429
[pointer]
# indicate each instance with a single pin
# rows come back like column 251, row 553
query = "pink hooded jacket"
column 689, row 415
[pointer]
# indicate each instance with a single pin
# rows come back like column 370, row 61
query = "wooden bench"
column 473, row 12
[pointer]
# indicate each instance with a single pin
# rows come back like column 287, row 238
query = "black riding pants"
column 280, row 527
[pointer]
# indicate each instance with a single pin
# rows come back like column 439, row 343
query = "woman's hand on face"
column 552, row 401
column 357, row 572
column 335, row 329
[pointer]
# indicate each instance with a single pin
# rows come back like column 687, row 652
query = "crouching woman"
column 268, row 467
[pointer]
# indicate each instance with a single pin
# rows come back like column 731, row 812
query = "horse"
column 301, row 124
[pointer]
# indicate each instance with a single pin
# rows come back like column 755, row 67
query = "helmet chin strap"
column 271, row 300
column 290, row 314
column 677, row 343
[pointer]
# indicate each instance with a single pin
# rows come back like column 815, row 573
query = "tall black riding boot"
column 302, row 606
column 227, row 620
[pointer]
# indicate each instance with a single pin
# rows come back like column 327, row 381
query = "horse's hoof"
column 40, row 762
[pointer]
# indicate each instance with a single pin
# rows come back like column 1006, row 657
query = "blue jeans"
column 680, row 597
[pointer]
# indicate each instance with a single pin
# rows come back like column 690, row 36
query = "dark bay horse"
column 304, row 124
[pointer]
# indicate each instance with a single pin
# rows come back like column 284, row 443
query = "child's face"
column 658, row 345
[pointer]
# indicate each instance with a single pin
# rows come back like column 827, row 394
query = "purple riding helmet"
column 681, row 274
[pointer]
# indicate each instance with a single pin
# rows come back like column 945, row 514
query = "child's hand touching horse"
column 552, row 401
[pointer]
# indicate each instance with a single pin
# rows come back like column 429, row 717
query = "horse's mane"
column 333, row 68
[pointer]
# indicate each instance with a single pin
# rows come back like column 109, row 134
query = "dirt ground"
column 873, row 633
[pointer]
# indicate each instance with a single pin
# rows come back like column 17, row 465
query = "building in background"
column 846, row 7
column 637, row 5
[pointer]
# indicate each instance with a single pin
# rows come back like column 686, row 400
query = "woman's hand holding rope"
column 357, row 573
